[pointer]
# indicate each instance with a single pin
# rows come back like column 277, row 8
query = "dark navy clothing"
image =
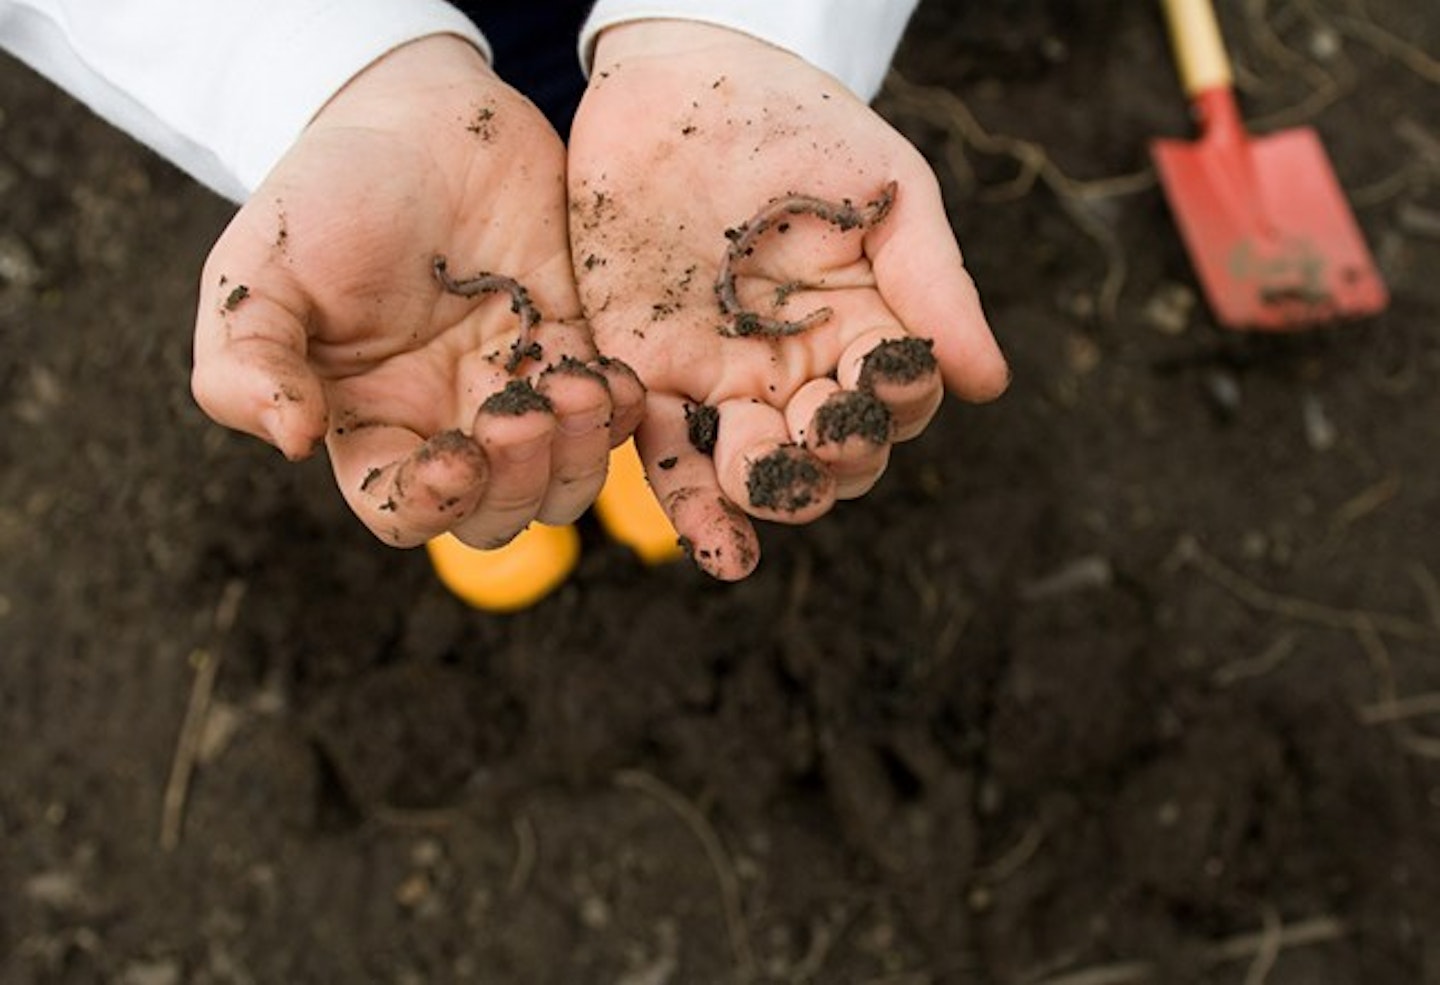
column 535, row 50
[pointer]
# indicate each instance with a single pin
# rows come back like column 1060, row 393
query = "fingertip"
column 265, row 394
column 760, row 467
column 714, row 532
column 787, row 484
column 407, row 491
column 922, row 276
column 293, row 434
column 627, row 395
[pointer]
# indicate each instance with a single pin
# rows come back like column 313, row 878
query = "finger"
column 580, row 451
column 901, row 371
column 250, row 369
column 716, row 533
column 763, row 471
column 627, row 398
column 921, row 275
column 848, row 430
column 515, row 428
column 404, row 489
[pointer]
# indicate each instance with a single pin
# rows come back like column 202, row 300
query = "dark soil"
column 897, row 361
column 785, row 481
column 1105, row 682
column 702, row 427
column 851, row 414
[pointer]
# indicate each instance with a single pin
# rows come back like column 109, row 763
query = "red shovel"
column 1264, row 220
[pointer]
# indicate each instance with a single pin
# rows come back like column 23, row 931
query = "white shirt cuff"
column 222, row 89
column 853, row 40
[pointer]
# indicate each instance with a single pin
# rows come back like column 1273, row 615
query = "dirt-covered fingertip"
column 788, row 484
column 426, row 493
column 714, row 533
column 627, row 396
column 850, row 415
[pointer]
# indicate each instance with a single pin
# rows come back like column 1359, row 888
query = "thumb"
column 922, row 278
column 251, row 372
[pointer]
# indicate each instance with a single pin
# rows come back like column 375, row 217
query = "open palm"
column 776, row 263
column 322, row 316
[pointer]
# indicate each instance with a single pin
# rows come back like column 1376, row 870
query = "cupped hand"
column 377, row 293
column 776, row 263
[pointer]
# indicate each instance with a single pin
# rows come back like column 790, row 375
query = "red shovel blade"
column 1266, row 224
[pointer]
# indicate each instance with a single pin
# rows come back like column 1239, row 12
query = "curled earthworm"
column 520, row 304
column 844, row 215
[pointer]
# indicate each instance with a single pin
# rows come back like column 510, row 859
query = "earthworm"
column 844, row 215
column 520, row 304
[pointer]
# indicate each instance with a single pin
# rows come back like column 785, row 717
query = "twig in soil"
column 1016, row 857
column 1361, row 26
column 1268, row 951
column 704, row 832
column 1120, row 973
column 1274, row 939
column 525, row 855
column 1420, row 167
column 1257, row 666
column 843, row 215
column 1430, row 589
column 1400, row 709
column 947, row 110
column 192, row 729
column 1188, row 552
column 1365, row 502
column 1326, row 88
column 1378, row 653
column 1319, row 930
column 520, row 304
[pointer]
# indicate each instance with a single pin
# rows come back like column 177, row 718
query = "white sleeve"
column 221, row 88
column 853, row 40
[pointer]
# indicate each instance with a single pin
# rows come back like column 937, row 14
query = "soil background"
column 1129, row 676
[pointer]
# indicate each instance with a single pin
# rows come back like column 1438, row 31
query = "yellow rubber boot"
column 629, row 512
column 509, row 578
column 538, row 561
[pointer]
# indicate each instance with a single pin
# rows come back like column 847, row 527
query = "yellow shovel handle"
column 1198, row 44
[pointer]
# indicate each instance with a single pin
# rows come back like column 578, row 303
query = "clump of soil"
column 785, row 480
column 852, row 413
column 897, row 361
column 703, row 424
column 519, row 397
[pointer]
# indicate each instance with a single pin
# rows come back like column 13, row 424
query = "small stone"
column 57, row 890
column 1169, row 309
column 412, row 891
column 1223, row 389
column 1079, row 575
column 18, row 266
column 163, row 971
column 1324, row 43
column 594, row 913
column 1320, row 433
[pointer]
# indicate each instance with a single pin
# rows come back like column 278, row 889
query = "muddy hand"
column 776, row 263
column 362, row 297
